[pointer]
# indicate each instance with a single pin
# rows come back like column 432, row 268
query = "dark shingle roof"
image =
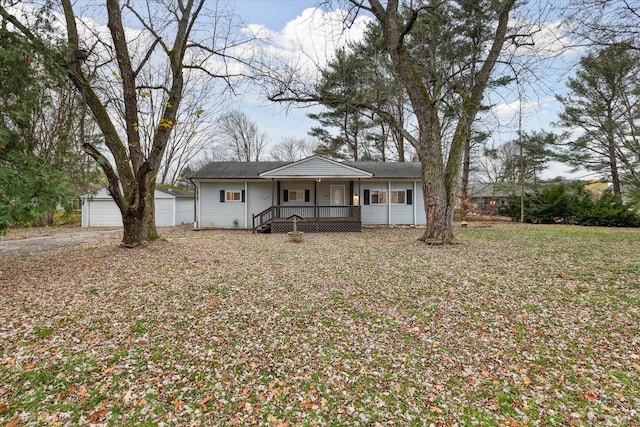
column 177, row 192
column 247, row 170
column 389, row 169
column 235, row 170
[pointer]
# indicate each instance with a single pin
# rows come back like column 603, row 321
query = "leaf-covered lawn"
column 516, row 325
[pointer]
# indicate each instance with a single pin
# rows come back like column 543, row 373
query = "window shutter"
column 307, row 195
column 409, row 197
column 222, row 195
column 365, row 194
column 242, row 196
column 285, row 196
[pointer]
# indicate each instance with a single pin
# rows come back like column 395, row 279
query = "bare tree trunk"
column 133, row 231
column 613, row 164
column 439, row 228
column 399, row 138
column 439, row 174
column 466, row 169
column 149, row 214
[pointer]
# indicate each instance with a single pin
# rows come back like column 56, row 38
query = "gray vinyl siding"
column 164, row 212
column 421, row 217
column 259, row 198
column 99, row 210
column 184, row 211
column 319, row 167
column 324, row 192
column 103, row 213
column 297, row 186
column 213, row 213
column 401, row 214
column 260, row 195
column 374, row 214
column 84, row 222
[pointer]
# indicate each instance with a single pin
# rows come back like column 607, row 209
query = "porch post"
column 389, row 202
column 351, row 193
column 415, row 217
column 246, row 205
column 198, row 218
column 316, row 188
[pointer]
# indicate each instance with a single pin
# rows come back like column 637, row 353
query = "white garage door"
column 164, row 212
column 104, row 213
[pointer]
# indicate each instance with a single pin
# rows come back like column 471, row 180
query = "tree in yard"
column 525, row 157
column 41, row 164
column 361, row 134
column 350, row 142
column 359, row 91
column 604, row 22
column 476, row 139
column 442, row 53
column 168, row 33
column 241, row 137
column 429, row 81
column 604, row 105
column 194, row 126
column 291, row 150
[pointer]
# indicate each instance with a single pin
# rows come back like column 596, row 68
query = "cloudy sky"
column 299, row 29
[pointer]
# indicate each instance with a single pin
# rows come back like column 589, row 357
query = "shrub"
column 66, row 218
column 572, row 204
column 606, row 211
column 549, row 205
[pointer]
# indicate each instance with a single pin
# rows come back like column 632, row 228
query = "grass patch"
column 521, row 325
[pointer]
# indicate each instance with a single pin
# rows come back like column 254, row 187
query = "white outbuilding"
column 172, row 207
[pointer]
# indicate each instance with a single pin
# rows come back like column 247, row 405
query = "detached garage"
column 172, row 207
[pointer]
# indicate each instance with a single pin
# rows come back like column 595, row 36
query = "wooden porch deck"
column 310, row 219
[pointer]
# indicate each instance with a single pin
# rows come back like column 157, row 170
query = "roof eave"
column 317, row 176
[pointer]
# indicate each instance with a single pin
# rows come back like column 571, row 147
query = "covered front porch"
column 322, row 196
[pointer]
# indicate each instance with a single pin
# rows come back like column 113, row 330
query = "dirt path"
column 37, row 244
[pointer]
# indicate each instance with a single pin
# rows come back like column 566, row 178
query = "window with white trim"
column 296, row 195
column 398, row 197
column 233, row 196
column 378, row 197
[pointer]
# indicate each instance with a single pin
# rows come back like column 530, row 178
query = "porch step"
column 264, row 228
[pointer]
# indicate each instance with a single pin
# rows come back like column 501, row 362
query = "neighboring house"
column 324, row 194
column 486, row 199
column 172, row 207
column 596, row 187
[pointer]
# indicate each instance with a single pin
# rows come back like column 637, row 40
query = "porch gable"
column 315, row 167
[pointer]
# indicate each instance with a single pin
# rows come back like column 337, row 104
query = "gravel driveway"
column 10, row 246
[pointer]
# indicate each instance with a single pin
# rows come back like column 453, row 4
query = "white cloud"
column 542, row 39
column 509, row 110
column 311, row 40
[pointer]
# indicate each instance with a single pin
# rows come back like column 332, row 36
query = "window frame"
column 397, row 193
column 233, row 199
column 296, row 192
column 378, row 193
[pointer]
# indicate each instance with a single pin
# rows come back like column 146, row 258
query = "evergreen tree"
column 604, row 105
column 41, row 164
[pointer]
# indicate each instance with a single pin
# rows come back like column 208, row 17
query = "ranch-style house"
column 322, row 195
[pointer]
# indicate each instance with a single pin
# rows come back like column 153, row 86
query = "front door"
column 337, row 199
column 337, row 195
